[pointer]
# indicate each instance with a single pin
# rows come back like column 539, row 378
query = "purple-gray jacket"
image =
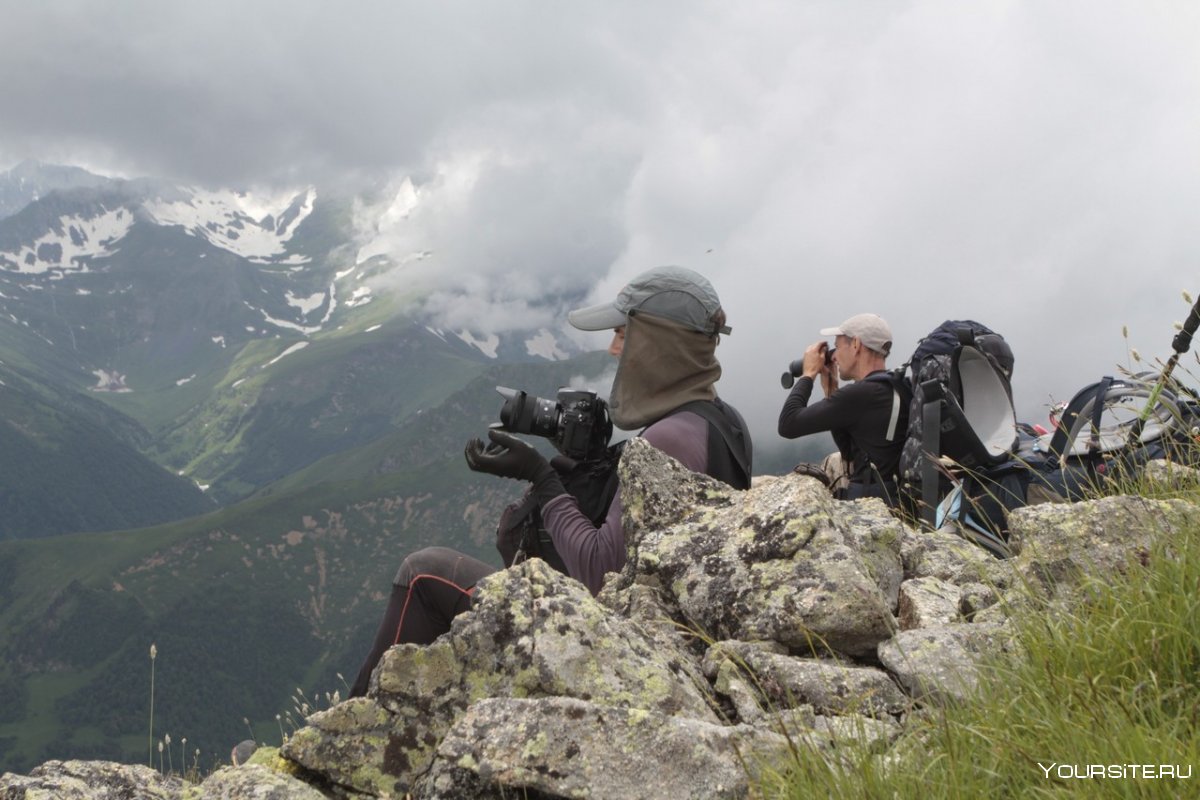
column 590, row 552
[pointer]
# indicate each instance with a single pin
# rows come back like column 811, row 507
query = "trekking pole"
column 1180, row 344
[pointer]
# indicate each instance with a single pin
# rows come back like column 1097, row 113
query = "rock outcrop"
column 743, row 624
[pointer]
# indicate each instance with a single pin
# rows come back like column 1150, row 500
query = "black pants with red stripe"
column 432, row 587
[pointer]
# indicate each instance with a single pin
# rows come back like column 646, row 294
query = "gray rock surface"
column 942, row 664
column 532, row 632
column 1170, row 475
column 744, row 624
column 562, row 747
column 827, row 687
column 89, row 780
column 928, row 601
column 783, row 561
column 252, row 782
column 976, row 598
column 1066, row 543
column 944, row 555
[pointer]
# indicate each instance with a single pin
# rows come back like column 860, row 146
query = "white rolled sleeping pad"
column 986, row 403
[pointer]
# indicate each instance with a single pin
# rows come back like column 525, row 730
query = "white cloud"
column 1031, row 165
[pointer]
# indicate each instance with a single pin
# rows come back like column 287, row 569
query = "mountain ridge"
column 297, row 394
column 183, row 308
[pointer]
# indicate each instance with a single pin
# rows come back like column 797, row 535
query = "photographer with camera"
column 868, row 418
column 666, row 324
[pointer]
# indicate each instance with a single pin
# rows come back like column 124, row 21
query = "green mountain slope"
column 276, row 409
column 71, row 464
column 245, row 605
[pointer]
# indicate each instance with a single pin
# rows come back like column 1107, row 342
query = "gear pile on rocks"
column 745, row 624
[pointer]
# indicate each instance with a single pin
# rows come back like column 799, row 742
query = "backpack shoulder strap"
column 726, row 421
column 901, row 397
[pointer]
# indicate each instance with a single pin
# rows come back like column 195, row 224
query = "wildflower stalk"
column 153, row 655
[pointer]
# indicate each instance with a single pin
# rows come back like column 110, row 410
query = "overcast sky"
column 1032, row 165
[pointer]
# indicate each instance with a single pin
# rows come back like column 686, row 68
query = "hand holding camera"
column 505, row 456
column 577, row 422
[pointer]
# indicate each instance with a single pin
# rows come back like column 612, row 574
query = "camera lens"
column 525, row 413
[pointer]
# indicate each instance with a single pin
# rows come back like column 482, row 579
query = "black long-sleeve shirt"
column 858, row 415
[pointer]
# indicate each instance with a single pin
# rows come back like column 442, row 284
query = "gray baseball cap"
column 872, row 329
column 675, row 293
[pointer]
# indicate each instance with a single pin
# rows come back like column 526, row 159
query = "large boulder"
column 783, row 561
column 104, row 780
column 89, row 780
column 781, row 681
column 1063, row 544
column 561, row 747
column 252, row 782
column 532, row 632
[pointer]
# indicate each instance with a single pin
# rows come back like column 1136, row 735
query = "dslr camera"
column 576, row 421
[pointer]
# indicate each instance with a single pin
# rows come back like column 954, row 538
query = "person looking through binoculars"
column 666, row 325
column 867, row 418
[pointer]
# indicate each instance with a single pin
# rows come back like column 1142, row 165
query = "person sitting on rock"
column 667, row 323
column 868, row 418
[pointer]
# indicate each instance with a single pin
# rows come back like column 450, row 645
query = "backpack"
column 1091, row 441
column 593, row 483
column 962, row 410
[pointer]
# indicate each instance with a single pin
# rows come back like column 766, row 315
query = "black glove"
column 509, row 457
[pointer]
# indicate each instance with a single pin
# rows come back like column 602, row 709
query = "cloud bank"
column 1026, row 164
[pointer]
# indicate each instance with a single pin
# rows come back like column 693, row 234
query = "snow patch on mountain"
column 71, row 243
column 298, row 346
column 254, row 226
column 110, row 382
column 487, row 345
column 283, row 323
column 305, row 304
column 333, row 303
column 360, row 297
column 545, row 344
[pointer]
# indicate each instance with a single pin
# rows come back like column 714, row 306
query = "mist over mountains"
column 226, row 417
column 175, row 305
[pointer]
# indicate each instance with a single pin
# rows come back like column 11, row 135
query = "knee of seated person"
column 425, row 561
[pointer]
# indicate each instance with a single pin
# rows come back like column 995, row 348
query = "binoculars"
column 796, row 369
